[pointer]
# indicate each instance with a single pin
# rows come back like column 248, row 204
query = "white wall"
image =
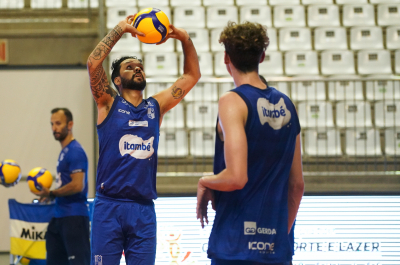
column 26, row 99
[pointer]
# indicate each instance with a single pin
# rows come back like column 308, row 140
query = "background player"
column 67, row 236
column 128, row 130
column 259, row 182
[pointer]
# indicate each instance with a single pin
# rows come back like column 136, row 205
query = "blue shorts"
column 120, row 225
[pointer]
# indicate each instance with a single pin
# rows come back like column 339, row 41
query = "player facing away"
column 128, row 130
column 258, row 182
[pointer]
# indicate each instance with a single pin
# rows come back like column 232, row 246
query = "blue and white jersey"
column 251, row 224
column 72, row 159
column 128, row 142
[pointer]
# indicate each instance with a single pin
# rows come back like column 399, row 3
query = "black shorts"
column 243, row 262
column 67, row 241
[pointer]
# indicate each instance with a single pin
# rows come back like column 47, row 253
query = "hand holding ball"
column 39, row 177
column 154, row 23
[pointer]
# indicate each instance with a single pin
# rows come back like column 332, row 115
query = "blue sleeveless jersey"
column 128, row 142
column 251, row 224
column 72, row 159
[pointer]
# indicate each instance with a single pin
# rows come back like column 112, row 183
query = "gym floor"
column 4, row 258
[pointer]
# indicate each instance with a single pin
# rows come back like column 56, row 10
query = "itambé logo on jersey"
column 276, row 115
column 136, row 147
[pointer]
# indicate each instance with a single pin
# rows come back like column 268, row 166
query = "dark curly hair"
column 244, row 44
column 116, row 66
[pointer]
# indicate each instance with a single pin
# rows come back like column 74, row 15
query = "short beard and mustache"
column 61, row 135
column 132, row 84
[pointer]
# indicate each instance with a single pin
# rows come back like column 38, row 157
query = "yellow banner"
column 28, row 248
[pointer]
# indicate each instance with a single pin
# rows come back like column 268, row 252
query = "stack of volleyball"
column 39, row 177
column 10, row 173
column 154, row 23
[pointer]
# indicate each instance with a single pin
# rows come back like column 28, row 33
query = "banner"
column 330, row 230
column 28, row 227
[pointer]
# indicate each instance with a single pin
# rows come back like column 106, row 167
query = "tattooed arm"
column 170, row 97
column 102, row 91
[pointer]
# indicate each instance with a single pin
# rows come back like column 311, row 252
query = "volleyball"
column 154, row 23
column 39, row 175
column 25, row 261
column 10, row 173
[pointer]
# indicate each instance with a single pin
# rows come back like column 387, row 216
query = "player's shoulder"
column 278, row 94
column 232, row 104
column 75, row 149
column 151, row 100
column 120, row 100
column 230, row 97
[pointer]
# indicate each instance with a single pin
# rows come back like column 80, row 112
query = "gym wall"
column 27, row 97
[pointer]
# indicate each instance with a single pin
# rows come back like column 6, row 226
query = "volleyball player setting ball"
column 124, row 217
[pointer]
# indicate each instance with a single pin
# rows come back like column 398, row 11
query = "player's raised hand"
column 129, row 28
column 175, row 33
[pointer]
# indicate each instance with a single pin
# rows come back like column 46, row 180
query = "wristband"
column 51, row 195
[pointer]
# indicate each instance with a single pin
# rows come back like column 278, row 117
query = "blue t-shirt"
column 128, row 143
column 251, row 223
column 72, row 159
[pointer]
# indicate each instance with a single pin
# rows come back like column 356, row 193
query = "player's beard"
column 132, row 84
column 60, row 136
